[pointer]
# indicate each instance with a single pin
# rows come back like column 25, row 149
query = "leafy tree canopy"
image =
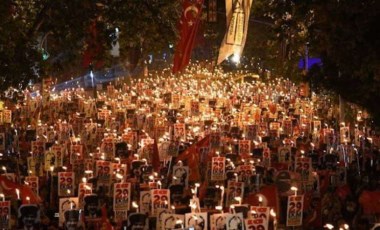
column 39, row 37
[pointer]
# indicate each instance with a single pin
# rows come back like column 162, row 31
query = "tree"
column 342, row 33
column 42, row 37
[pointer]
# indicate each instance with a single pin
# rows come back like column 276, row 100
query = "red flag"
column 191, row 156
column 369, row 200
column 9, row 187
column 106, row 225
column 269, row 195
column 189, row 23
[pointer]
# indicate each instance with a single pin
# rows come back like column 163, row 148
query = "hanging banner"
column 218, row 168
column 294, row 211
column 121, row 196
column 66, row 183
column 237, row 12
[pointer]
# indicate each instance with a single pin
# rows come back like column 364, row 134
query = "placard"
column 244, row 172
column 84, row 189
column 121, row 196
column 303, row 166
column 196, row 220
column 244, row 147
column 234, row 221
column 234, row 189
column 169, row 221
column 66, row 183
column 58, row 151
column 181, row 175
column 103, row 172
column 145, row 202
column 257, row 223
column 294, row 210
column 49, row 160
column 218, row 222
column 160, row 199
column 64, row 205
column 261, row 212
column 5, row 214
column 32, row 183
column 179, row 131
column 218, row 168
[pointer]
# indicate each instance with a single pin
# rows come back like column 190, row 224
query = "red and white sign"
column 260, row 212
column 218, row 167
column 235, row 189
column 32, row 183
column 66, row 183
column 244, row 147
column 160, row 199
column 76, row 153
column 303, row 166
column 84, row 189
column 294, row 211
column 103, row 171
column 118, row 168
column 121, row 196
column 256, row 224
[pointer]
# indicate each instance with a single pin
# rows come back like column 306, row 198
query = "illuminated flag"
column 237, row 12
column 189, row 23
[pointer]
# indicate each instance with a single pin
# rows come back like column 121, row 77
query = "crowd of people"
column 201, row 150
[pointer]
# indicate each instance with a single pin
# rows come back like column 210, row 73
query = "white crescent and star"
column 194, row 10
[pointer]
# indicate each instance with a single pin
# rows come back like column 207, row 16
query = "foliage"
column 31, row 28
column 341, row 32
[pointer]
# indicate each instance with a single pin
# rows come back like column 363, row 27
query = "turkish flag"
column 192, row 158
column 9, row 187
column 189, row 24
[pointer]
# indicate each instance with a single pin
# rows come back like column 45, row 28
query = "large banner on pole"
column 237, row 12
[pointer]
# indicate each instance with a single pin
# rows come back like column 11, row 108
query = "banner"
column 66, row 183
column 237, row 12
column 121, row 196
column 189, row 23
column 5, row 214
column 218, row 168
column 294, row 211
